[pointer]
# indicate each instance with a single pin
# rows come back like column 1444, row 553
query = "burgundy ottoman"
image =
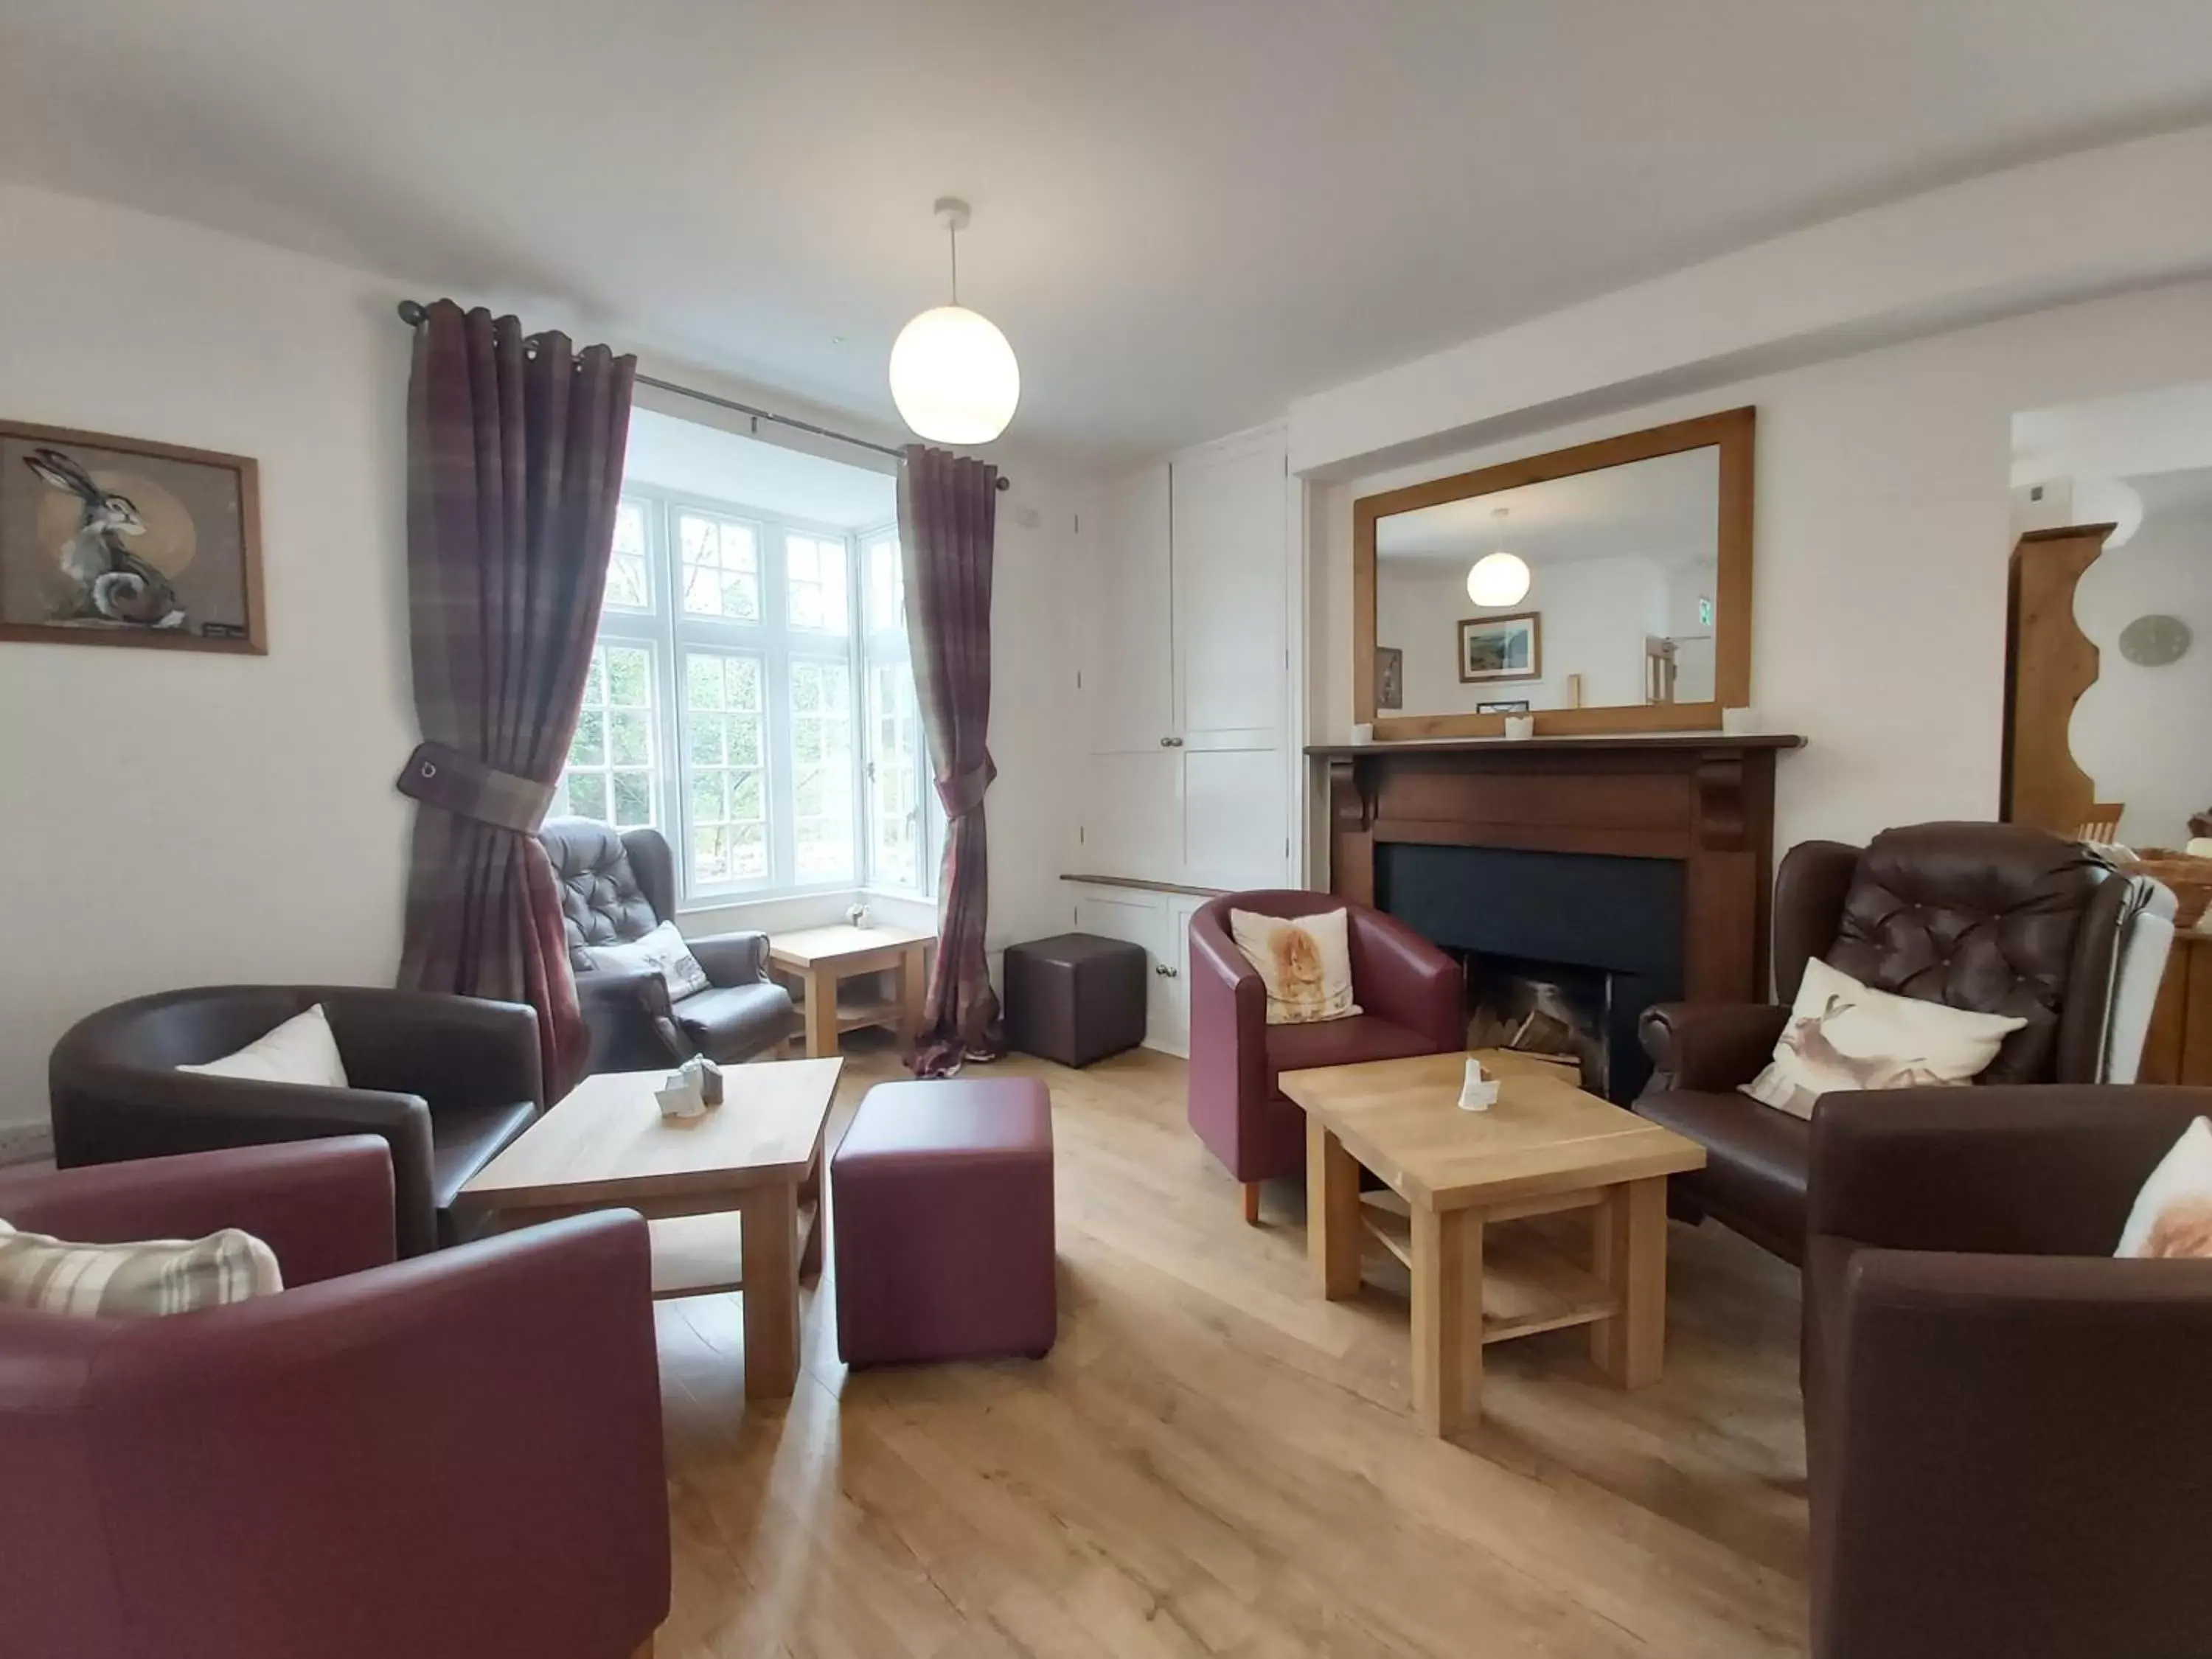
column 941, row 1222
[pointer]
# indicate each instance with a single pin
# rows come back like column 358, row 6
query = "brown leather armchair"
column 1413, row 1001
column 618, row 885
column 446, row 1081
column 455, row 1457
column 2000, row 918
column 2006, row 1427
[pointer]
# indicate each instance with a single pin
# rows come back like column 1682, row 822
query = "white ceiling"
column 704, row 460
column 2160, row 430
column 1186, row 214
column 1666, row 509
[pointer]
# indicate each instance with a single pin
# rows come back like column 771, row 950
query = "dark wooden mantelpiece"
column 1706, row 800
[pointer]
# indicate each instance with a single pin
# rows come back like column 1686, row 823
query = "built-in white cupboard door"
column 1235, row 827
column 1231, row 659
column 1132, row 822
column 1127, row 627
column 1140, row 919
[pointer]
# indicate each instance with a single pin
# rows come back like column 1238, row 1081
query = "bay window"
column 752, row 695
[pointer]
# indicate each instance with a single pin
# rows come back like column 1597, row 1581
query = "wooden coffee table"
column 733, row 1198
column 818, row 958
column 1454, row 1178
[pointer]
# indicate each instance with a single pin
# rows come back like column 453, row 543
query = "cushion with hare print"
column 1844, row 1034
column 2172, row 1214
column 1304, row 962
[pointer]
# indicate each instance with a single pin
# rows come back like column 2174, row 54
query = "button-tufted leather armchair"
column 1998, row 918
column 620, row 886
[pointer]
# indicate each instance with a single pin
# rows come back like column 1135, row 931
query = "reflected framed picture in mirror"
column 1561, row 580
column 1389, row 677
column 1508, row 647
column 1520, row 706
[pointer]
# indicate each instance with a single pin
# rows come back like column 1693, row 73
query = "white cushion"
column 2172, row 1214
column 300, row 1050
column 159, row 1276
column 1304, row 962
column 1844, row 1034
column 663, row 951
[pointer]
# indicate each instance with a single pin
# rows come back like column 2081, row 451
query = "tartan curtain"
column 948, row 508
column 514, row 464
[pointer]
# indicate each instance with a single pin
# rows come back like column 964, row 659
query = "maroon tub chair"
column 458, row 1455
column 1413, row 1001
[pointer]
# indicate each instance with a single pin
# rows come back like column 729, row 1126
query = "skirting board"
column 26, row 1143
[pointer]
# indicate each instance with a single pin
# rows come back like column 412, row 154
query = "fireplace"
column 1555, row 1009
column 1620, row 871
column 1564, row 950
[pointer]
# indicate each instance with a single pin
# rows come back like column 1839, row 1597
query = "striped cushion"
column 159, row 1276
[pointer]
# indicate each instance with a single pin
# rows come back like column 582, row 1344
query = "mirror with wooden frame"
column 1602, row 588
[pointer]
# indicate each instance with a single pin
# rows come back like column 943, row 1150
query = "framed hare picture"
column 106, row 540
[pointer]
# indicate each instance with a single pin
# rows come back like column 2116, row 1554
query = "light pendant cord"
column 952, row 235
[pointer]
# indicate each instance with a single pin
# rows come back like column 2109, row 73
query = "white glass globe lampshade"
column 954, row 377
column 1498, row 579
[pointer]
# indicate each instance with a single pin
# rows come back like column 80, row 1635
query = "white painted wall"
column 1881, row 534
column 2140, row 733
column 172, row 819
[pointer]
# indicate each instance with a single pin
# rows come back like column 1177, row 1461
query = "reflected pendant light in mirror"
column 953, row 375
column 1499, row 578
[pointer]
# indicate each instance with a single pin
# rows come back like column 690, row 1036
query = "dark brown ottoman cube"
column 941, row 1222
column 1075, row 997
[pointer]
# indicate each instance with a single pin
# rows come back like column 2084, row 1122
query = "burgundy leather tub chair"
column 2009, row 1447
column 448, row 1081
column 1412, row 1001
column 1999, row 918
column 618, row 885
column 453, row 1457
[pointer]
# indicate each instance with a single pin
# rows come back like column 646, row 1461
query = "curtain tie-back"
column 443, row 777
column 963, row 793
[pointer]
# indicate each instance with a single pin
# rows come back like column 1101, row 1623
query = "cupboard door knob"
column 1171, row 973
column 1167, row 742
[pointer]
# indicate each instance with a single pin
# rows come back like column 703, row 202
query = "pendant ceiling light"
column 953, row 375
column 1499, row 578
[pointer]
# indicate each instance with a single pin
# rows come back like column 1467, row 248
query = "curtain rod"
column 411, row 312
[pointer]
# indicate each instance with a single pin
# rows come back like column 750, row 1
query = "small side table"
column 814, row 961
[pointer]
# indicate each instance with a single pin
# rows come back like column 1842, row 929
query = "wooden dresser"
column 2179, row 1047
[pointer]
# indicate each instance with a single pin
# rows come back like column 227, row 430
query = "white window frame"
column 670, row 632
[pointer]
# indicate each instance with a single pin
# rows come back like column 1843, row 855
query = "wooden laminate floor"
column 1216, row 1461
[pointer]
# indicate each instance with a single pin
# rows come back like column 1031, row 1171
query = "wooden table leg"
column 1333, row 1227
column 912, row 987
column 1447, row 1318
column 821, row 1013
column 809, row 1192
column 770, row 1227
column 1629, row 1253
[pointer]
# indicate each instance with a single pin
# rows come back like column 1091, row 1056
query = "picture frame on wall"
column 109, row 540
column 1504, row 647
column 1389, row 677
column 1518, row 707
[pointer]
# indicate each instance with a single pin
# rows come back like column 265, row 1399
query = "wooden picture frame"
column 113, row 540
column 1732, row 432
column 1504, row 624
